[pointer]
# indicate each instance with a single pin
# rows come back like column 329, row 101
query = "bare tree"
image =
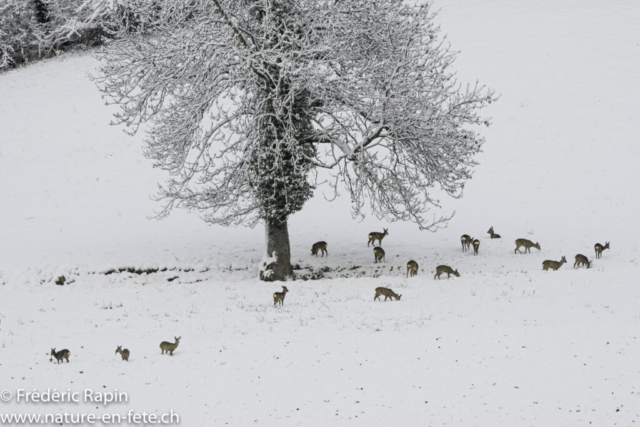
column 246, row 99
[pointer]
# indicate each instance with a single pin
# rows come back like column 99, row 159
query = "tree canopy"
column 245, row 99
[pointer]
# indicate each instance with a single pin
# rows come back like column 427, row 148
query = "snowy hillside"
column 504, row 344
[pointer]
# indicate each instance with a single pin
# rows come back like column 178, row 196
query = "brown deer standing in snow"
column 445, row 269
column 599, row 248
column 554, row 265
column 412, row 268
column 581, row 260
column 124, row 353
column 374, row 235
column 278, row 297
column 319, row 246
column 476, row 246
column 169, row 347
column 527, row 244
column 378, row 254
column 466, row 240
column 387, row 293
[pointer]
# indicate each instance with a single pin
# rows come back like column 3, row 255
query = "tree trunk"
column 276, row 264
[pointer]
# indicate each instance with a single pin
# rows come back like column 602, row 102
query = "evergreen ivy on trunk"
column 245, row 99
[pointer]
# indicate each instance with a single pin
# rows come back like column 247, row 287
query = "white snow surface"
column 505, row 344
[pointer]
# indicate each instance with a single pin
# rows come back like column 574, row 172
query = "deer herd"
column 378, row 253
column 466, row 241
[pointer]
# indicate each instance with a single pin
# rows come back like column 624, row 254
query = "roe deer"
column 374, row 235
column 387, row 293
column 124, row 353
column 378, row 254
column 278, row 297
column 581, row 260
column 445, row 269
column 554, row 265
column 465, row 239
column 412, row 267
column 599, row 248
column 493, row 235
column 476, row 246
column 62, row 354
column 527, row 244
column 169, row 347
column 319, row 246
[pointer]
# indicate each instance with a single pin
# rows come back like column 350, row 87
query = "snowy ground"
column 504, row 344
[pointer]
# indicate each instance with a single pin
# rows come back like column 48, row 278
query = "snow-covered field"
column 504, row 344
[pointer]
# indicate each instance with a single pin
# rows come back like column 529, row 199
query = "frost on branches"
column 246, row 99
